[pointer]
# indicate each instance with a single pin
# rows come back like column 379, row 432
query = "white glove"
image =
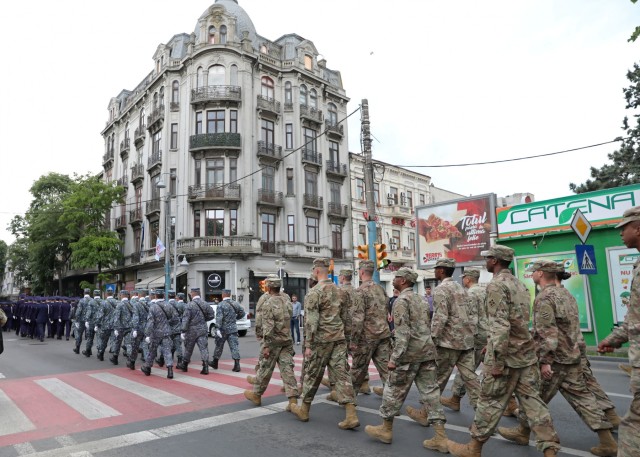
column 95, row 329
column 218, row 334
column 59, row 320
column 134, row 334
column 86, row 324
column 77, row 324
column 183, row 336
column 148, row 340
column 115, row 332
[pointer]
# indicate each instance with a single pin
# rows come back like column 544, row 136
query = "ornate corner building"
column 244, row 136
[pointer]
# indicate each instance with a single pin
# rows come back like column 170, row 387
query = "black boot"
column 214, row 364
column 179, row 362
column 236, row 365
column 205, row 368
column 76, row 349
column 146, row 370
column 185, row 365
column 100, row 356
column 160, row 361
column 114, row 359
column 131, row 364
column 170, row 372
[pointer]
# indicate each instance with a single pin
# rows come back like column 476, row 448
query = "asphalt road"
column 212, row 421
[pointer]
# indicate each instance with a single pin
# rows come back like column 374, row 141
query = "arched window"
column 155, row 100
column 267, row 87
column 175, row 91
column 308, row 62
column 303, row 95
column 333, row 114
column 216, row 75
column 161, row 97
column 313, row 99
column 223, row 34
column 263, row 49
column 126, row 131
column 200, row 76
column 212, row 35
column 233, row 75
column 288, row 97
column 141, row 120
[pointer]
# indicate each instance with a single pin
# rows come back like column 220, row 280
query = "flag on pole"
column 142, row 237
column 159, row 248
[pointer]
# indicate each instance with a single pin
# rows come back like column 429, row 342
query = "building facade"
column 397, row 191
column 244, row 136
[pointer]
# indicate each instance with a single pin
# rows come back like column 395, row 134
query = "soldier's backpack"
column 238, row 309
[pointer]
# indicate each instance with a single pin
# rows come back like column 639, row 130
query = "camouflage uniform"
column 453, row 330
column 194, row 328
column 324, row 332
column 91, row 315
column 175, row 329
column 370, row 333
column 158, row 328
column 80, row 328
column 510, row 347
column 478, row 310
column 258, row 319
column 226, row 324
column 138, row 324
column 414, row 355
column 121, row 324
column 104, row 322
column 276, row 330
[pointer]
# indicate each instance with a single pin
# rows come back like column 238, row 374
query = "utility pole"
column 372, row 231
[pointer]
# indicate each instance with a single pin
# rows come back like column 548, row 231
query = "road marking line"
column 24, row 448
column 214, row 386
column 611, row 394
column 2, row 376
column 277, row 370
column 12, row 419
column 157, row 396
column 234, row 374
column 86, row 405
column 81, row 454
column 136, row 438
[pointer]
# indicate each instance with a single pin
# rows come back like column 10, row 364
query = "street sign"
column 586, row 257
column 214, row 280
column 581, row 226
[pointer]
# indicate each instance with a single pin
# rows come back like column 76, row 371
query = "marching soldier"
column 121, row 323
column 178, row 306
column 80, row 320
column 138, row 325
column 194, row 330
column 157, row 329
column 226, row 330
column 104, row 323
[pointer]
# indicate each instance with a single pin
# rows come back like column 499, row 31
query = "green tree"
column 624, row 168
column 3, row 258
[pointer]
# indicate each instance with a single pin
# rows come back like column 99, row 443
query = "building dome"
column 243, row 21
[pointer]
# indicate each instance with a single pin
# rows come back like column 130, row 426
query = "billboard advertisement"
column 457, row 229
column 620, row 261
column 576, row 284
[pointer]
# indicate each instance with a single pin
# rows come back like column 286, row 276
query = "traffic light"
column 381, row 255
column 263, row 286
column 363, row 252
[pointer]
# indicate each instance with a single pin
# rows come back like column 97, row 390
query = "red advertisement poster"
column 458, row 230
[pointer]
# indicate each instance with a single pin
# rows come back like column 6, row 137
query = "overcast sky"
column 447, row 81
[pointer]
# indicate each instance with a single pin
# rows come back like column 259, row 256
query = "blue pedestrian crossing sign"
column 586, row 257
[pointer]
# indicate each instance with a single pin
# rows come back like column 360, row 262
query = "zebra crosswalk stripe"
column 214, row 386
column 85, row 404
column 157, row 396
column 12, row 419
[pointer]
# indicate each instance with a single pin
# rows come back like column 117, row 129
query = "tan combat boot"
column 472, row 449
column 613, row 417
column 519, row 435
column 251, row 379
column 512, row 408
column 550, row 452
column 607, row 447
column 333, row 396
column 351, row 419
column 364, row 388
column 253, row 397
column 452, row 402
column 302, row 411
column 378, row 391
column 325, row 382
column 292, row 401
column 382, row 432
column 439, row 440
column 418, row 415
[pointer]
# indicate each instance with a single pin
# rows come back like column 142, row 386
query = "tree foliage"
column 624, row 168
column 3, row 258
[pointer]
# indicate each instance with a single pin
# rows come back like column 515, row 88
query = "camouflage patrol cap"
column 96, row 292
column 143, row 292
column 545, row 265
column 273, row 281
column 159, row 292
column 172, row 293
column 630, row 215
column 195, row 289
column 87, row 290
column 180, row 295
column 445, row 263
column 366, row 265
column 346, row 272
column 407, row 273
column 472, row 273
column 124, row 292
column 321, row 262
column 499, row 252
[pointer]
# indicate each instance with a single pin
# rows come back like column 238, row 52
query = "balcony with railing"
column 135, row 216
column 268, row 152
column 219, row 245
column 268, row 104
column 137, row 173
column 335, row 129
column 268, row 247
column 338, row 170
column 138, row 135
column 270, row 198
column 154, row 120
column 311, row 157
column 152, row 206
column 121, row 222
column 216, row 93
column 155, row 160
column 125, row 145
column 214, row 192
column 337, row 210
column 338, row 253
column 107, row 159
column 312, row 201
column 311, row 114
column 123, row 181
column 302, row 250
column 224, row 140
column 174, row 106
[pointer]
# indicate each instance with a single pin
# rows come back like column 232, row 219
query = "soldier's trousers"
column 458, row 387
column 232, row 338
column 398, row 386
column 203, row 346
column 79, row 333
column 594, row 386
column 334, row 356
column 569, row 380
column 283, row 356
column 177, row 345
column 89, row 333
column 118, row 341
column 137, row 343
column 378, row 351
column 447, row 359
column 103, row 339
column 494, row 397
column 165, row 344
column 629, row 429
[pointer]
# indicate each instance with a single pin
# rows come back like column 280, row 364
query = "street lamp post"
column 167, row 221
column 280, row 263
